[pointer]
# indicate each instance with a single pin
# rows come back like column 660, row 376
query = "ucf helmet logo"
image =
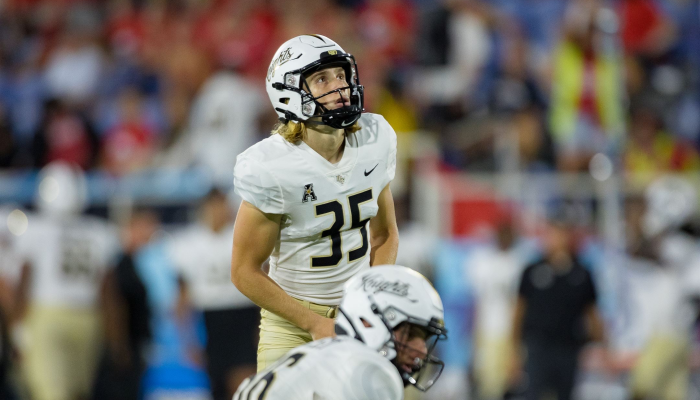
column 284, row 56
column 376, row 284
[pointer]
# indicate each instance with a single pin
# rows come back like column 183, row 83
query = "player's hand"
column 604, row 360
column 325, row 327
column 515, row 370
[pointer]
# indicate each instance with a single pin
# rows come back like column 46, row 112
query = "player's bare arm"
column 517, row 339
column 596, row 329
column 255, row 235
column 384, row 234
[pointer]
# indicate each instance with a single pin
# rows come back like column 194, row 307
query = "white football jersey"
column 10, row 261
column 68, row 258
column 339, row 368
column 203, row 258
column 494, row 275
column 324, row 236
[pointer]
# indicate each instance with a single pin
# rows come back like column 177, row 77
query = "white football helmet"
column 62, row 190
column 378, row 300
column 670, row 202
column 286, row 84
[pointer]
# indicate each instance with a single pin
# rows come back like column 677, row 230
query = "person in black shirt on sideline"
column 556, row 314
column 126, row 316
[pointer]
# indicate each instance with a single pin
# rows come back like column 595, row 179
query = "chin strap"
column 288, row 115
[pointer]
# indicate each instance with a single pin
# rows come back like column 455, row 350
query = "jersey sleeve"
column 390, row 152
column 257, row 186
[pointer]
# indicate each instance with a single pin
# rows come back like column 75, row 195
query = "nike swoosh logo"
column 344, row 124
column 370, row 171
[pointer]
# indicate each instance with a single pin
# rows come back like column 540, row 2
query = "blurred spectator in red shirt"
column 389, row 27
column 64, row 135
column 125, row 30
column 645, row 30
column 130, row 144
column 238, row 34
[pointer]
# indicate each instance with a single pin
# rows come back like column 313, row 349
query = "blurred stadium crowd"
column 575, row 78
column 593, row 96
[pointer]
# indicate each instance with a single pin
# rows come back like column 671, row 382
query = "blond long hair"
column 295, row 131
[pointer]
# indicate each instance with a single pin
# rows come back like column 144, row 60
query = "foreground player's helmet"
column 296, row 59
column 670, row 202
column 378, row 300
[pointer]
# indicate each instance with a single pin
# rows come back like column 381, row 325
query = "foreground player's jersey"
column 68, row 258
column 203, row 258
column 324, row 238
column 339, row 368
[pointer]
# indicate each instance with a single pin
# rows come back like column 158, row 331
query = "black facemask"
column 426, row 369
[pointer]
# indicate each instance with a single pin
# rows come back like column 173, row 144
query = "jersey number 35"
column 336, row 208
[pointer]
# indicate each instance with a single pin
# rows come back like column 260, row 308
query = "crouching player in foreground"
column 389, row 321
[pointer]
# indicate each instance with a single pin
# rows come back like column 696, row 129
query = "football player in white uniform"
column 67, row 254
column 662, row 369
column 201, row 254
column 316, row 197
column 390, row 320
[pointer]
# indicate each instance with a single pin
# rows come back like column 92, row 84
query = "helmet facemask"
column 426, row 368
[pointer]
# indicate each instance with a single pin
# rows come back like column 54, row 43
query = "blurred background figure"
column 224, row 121
column 175, row 359
column 64, row 135
column 9, row 148
column 652, row 151
column 74, row 67
column 201, row 254
column 555, row 315
column 494, row 274
column 662, row 371
column 129, row 143
column 126, row 316
column 586, row 104
column 68, row 255
column 14, row 282
column 418, row 245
